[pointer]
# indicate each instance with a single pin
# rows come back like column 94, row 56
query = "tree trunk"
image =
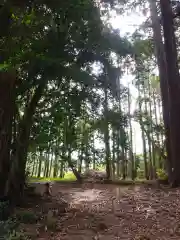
column 123, row 164
column 131, row 155
column 47, row 172
column 62, row 169
column 45, row 167
column 15, row 183
column 143, row 137
column 33, row 168
column 40, row 164
column 113, row 153
column 119, row 155
column 74, row 170
column 173, row 85
column 86, row 158
column 36, row 167
column 94, row 155
column 80, row 159
column 151, row 126
column 157, row 132
column 55, row 172
column 7, row 104
column 162, row 66
column 144, row 153
column 148, row 137
column 106, row 136
column 51, row 164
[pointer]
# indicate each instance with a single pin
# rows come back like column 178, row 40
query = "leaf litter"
column 107, row 212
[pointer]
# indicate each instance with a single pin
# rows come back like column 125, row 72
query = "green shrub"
column 16, row 236
column 140, row 173
column 161, row 174
column 6, row 227
column 4, row 210
column 69, row 176
column 26, row 217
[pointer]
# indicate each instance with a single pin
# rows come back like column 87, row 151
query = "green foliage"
column 53, row 47
column 69, row 176
column 143, row 48
column 15, row 235
column 4, row 210
column 7, row 227
column 26, row 217
column 140, row 174
column 65, row 48
column 162, row 175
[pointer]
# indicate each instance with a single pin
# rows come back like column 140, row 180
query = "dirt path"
column 111, row 212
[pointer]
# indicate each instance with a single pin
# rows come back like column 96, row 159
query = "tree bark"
column 173, row 85
column 33, row 168
column 55, row 167
column 131, row 155
column 74, row 170
column 143, row 136
column 148, row 136
column 113, row 153
column 50, row 159
column 151, row 125
column 7, row 104
column 156, row 122
column 80, row 160
column 15, row 183
column 61, row 169
column 162, row 66
column 106, row 136
column 40, row 164
column 94, row 155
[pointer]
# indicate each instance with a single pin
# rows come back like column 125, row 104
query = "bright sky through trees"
column 127, row 24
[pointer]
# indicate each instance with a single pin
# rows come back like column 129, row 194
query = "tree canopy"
column 63, row 100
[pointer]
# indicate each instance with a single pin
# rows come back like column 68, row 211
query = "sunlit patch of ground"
column 88, row 195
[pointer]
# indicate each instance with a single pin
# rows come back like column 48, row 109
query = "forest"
column 78, row 97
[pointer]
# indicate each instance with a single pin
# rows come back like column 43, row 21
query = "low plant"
column 6, row 227
column 26, row 217
column 140, row 173
column 15, row 235
column 51, row 221
column 161, row 174
column 4, row 210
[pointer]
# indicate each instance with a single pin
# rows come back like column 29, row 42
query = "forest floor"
column 102, row 211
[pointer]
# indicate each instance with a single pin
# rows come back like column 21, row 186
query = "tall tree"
column 162, row 66
column 7, row 106
column 173, row 86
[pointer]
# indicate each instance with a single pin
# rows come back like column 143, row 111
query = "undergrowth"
column 162, row 175
column 9, row 230
column 68, row 177
column 10, row 220
column 26, row 216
